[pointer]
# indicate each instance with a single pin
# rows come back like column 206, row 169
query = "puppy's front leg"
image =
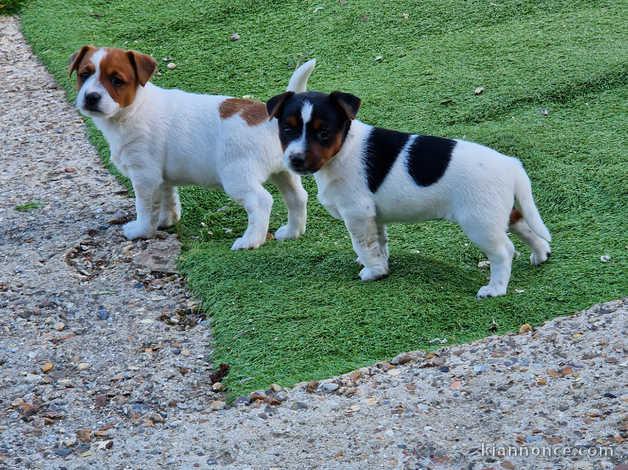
column 148, row 193
column 365, row 237
column 383, row 242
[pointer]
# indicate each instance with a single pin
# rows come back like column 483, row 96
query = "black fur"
column 382, row 149
column 428, row 158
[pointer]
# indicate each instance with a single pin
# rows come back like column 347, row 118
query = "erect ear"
column 77, row 58
column 347, row 102
column 276, row 104
column 144, row 66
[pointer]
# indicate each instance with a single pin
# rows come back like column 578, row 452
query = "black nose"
column 92, row 99
column 297, row 159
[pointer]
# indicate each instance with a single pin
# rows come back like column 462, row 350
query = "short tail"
column 525, row 202
column 298, row 81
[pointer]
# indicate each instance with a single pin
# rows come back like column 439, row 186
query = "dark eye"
column 323, row 135
column 84, row 75
column 115, row 81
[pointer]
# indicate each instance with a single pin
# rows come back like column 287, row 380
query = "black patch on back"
column 428, row 158
column 382, row 148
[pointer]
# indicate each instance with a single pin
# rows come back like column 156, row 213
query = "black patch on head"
column 428, row 158
column 382, row 149
column 328, row 123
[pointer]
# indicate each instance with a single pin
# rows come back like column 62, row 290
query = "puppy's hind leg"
column 498, row 248
column 258, row 203
column 541, row 250
column 296, row 199
column 170, row 210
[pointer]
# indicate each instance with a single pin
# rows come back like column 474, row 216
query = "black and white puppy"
column 369, row 177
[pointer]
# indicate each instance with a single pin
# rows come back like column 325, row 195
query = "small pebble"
column 103, row 313
column 84, row 365
column 234, row 37
column 402, row 358
column 62, row 451
column 329, row 387
column 216, row 405
column 171, row 66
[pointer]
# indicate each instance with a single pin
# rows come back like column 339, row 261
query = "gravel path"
column 104, row 358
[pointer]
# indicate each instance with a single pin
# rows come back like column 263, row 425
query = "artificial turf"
column 555, row 93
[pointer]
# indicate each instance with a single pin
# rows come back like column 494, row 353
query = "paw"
column 245, row 243
column 285, row 232
column 134, row 229
column 536, row 259
column 490, row 291
column 373, row 274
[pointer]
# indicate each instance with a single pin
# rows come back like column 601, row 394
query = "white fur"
column 167, row 138
column 477, row 190
column 297, row 147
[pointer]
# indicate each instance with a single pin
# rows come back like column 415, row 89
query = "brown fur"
column 318, row 155
column 292, row 121
column 79, row 63
column 131, row 67
column 515, row 216
column 317, row 124
column 253, row 112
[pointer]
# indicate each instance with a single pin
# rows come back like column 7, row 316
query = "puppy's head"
column 312, row 126
column 108, row 79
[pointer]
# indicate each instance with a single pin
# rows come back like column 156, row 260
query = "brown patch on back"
column 253, row 112
column 515, row 216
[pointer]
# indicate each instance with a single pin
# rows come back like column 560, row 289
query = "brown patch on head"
column 316, row 124
column 121, row 72
column 318, row 154
column 515, row 216
column 253, row 112
column 79, row 63
column 292, row 121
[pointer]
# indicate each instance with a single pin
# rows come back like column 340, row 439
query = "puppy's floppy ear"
column 144, row 66
column 347, row 102
column 77, row 58
column 276, row 104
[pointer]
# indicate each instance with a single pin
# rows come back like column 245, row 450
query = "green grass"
column 28, row 206
column 295, row 311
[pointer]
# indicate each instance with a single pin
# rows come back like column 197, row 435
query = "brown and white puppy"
column 369, row 177
column 162, row 139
